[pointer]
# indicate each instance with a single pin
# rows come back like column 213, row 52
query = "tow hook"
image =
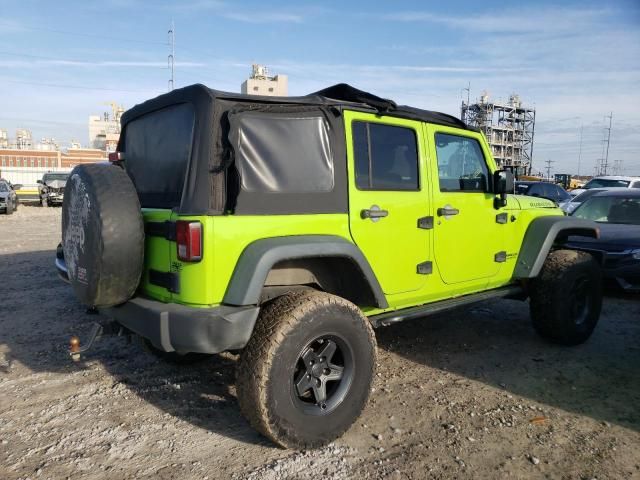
column 98, row 330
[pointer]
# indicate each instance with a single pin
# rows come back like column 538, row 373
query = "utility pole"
column 580, row 149
column 172, row 53
column 617, row 167
column 606, row 158
column 549, row 162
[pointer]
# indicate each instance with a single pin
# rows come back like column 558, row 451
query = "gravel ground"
column 475, row 394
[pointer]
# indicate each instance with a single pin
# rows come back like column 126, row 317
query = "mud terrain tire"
column 102, row 235
column 305, row 335
column 566, row 298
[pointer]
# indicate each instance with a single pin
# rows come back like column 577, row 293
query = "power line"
column 80, row 87
column 82, row 34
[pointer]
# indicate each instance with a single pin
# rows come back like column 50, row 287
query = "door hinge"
column 425, row 268
column 500, row 257
column 502, row 217
column 426, row 223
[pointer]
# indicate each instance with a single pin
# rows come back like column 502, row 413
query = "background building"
column 23, row 139
column 104, row 131
column 4, row 138
column 260, row 83
column 508, row 128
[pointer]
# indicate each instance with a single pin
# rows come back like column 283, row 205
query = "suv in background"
column 286, row 228
column 51, row 188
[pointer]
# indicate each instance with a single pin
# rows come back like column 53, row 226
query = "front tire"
column 566, row 298
column 305, row 375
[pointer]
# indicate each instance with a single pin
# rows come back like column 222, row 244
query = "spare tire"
column 102, row 234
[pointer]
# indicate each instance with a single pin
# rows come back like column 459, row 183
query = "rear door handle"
column 448, row 211
column 375, row 213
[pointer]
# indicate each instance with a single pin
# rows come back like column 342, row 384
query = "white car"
column 608, row 181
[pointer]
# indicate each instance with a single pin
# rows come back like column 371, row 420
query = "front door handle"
column 375, row 213
column 448, row 211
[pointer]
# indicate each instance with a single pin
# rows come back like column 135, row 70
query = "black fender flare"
column 540, row 237
column 259, row 257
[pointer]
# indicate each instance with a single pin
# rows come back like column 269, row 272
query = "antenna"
column 172, row 53
column 468, row 89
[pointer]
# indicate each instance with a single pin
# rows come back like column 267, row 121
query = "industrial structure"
column 508, row 128
column 4, row 138
column 23, row 139
column 104, row 131
column 261, row 83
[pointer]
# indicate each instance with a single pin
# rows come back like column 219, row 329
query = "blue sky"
column 575, row 62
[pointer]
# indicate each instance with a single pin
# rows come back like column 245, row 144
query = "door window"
column 461, row 165
column 385, row 157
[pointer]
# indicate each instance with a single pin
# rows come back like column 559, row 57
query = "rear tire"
column 566, row 298
column 305, row 375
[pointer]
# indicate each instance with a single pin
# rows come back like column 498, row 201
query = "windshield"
column 610, row 210
column 55, row 176
column 3, row 187
column 604, row 183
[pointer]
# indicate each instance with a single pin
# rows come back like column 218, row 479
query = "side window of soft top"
column 385, row 157
column 461, row 164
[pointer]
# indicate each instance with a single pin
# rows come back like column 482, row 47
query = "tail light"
column 189, row 240
column 116, row 157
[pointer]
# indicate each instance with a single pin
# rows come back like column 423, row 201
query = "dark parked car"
column 8, row 198
column 575, row 202
column 618, row 213
column 547, row 190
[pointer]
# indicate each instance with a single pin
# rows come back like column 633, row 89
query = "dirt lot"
column 474, row 394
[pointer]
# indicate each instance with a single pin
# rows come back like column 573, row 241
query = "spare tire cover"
column 102, row 234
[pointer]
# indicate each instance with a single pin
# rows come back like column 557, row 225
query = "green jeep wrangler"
column 286, row 228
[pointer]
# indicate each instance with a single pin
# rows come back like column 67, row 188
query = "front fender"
column 541, row 234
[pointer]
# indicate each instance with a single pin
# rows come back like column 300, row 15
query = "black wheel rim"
column 323, row 374
column 579, row 298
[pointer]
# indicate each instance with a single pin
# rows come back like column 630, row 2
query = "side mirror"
column 40, row 182
column 503, row 183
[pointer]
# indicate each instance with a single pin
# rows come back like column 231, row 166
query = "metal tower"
column 508, row 127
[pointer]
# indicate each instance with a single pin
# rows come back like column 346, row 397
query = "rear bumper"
column 173, row 327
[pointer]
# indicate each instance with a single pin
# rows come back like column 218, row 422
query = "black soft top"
column 211, row 182
column 339, row 95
